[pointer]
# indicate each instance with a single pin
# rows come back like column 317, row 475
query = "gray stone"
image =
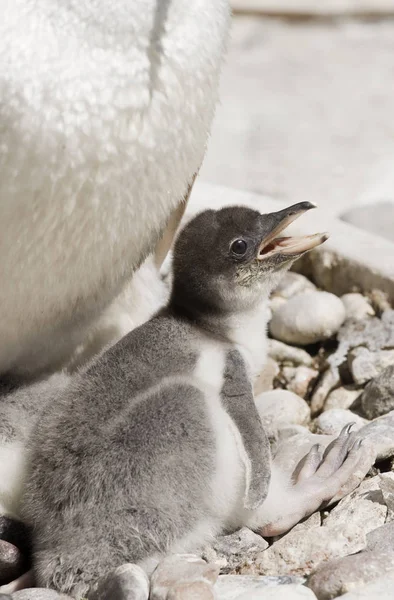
column 381, row 589
column 299, row 379
column 336, row 577
column 231, row 552
column 308, row 318
column 372, row 333
column 377, row 218
column 279, row 407
column 293, row 284
column 365, row 365
column 381, row 539
column 283, row 353
column 11, row 562
column 179, row 576
column 248, row 587
column 332, row 421
column 380, row 433
column 387, row 488
column 378, row 396
column 341, row 398
column 357, row 306
column 127, row 582
column 39, row 594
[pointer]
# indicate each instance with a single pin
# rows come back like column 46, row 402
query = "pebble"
column 293, row 284
column 16, row 533
column 336, row 577
column 230, row 552
column 380, row 589
column 248, row 587
column 265, row 379
column 11, row 562
column 329, row 380
column 280, row 407
column 377, row 398
column 308, row 318
column 39, row 594
column 283, row 353
column 127, row 582
column 341, row 398
column 357, row 306
column 182, row 577
column 380, row 433
column 387, row 487
column 333, row 420
column 365, row 365
column 299, row 379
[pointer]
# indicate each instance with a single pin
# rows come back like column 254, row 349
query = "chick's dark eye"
column 239, row 247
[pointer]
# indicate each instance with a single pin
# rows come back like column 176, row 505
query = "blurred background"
column 307, row 107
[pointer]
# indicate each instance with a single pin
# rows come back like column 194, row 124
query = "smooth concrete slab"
column 306, row 112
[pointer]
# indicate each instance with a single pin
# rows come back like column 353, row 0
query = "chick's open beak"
column 274, row 244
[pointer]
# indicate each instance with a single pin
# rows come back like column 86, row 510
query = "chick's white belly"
column 229, row 477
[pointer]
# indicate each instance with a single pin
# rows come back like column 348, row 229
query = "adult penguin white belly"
column 105, row 108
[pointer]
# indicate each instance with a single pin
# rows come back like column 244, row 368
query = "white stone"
column 283, row 353
column 293, row 284
column 299, row 379
column 231, row 552
column 361, row 511
column 341, row 398
column 280, row 407
column 332, row 421
column 308, row 318
column 329, row 380
column 276, row 302
column 380, row 433
column 387, row 486
column 265, row 379
column 357, row 306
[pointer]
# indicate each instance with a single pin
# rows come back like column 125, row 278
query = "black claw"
column 346, row 430
column 357, row 444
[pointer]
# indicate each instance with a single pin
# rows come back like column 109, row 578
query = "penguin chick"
column 158, row 446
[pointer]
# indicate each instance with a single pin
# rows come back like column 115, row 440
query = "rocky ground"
column 331, row 362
